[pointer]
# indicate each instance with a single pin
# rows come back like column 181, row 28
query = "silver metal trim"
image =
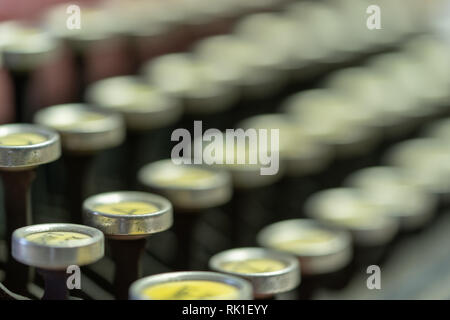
column 194, row 198
column 244, row 287
column 412, row 214
column 128, row 227
column 26, row 157
column 265, row 283
column 149, row 116
column 57, row 257
column 107, row 133
column 380, row 231
column 328, row 259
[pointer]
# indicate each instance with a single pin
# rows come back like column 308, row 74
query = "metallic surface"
column 57, row 257
column 128, row 226
column 263, row 283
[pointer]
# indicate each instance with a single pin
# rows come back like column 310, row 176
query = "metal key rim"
column 29, row 156
column 47, row 256
column 265, row 282
column 243, row 286
column 128, row 227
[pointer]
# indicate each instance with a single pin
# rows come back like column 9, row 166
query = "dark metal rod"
column 55, row 284
column 77, row 169
column 127, row 256
column 184, row 226
column 17, row 195
column 21, row 82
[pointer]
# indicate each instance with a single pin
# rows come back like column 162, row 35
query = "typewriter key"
column 201, row 87
column 434, row 54
column 391, row 189
column 303, row 158
column 328, row 29
column 85, row 131
column 323, row 252
column 193, row 285
column 97, row 29
column 269, row 272
column 365, row 87
column 255, row 71
column 143, row 107
column 23, row 147
column 427, row 163
column 127, row 219
column 52, row 248
column 205, row 18
column 143, row 34
column 335, row 121
column 372, row 228
column 192, row 189
column 409, row 78
column 286, row 36
column 253, row 180
column 23, row 49
column 347, row 208
column 148, row 113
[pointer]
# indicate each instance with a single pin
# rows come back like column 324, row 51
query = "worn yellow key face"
column 305, row 241
column 58, row 238
column 185, row 177
column 128, row 208
column 253, row 266
column 123, row 95
column 191, row 290
column 21, row 139
column 80, row 120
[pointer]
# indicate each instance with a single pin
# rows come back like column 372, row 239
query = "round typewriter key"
column 287, row 36
column 127, row 219
column 368, row 89
column 347, row 208
column 323, row 252
column 23, row 49
column 254, row 179
column 23, row 147
column 303, row 157
column 204, row 18
column 344, row 126
column 269, row 272
column 427, row 163
column 408, row 77
column 328, row 28
column 301, row 152
column 98, row 28
column 52, row 248
column 339, row 123
column 145, row 36
column 192, row 189
column 372, row 228
column 193, row 285
column 255, row 72
column 390, row 188
column 143, row 107
column 147, row 111
column 202, row 88
column 85, row 131
column 434, row 54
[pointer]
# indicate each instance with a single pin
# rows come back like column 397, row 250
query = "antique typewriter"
column 225, row 149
